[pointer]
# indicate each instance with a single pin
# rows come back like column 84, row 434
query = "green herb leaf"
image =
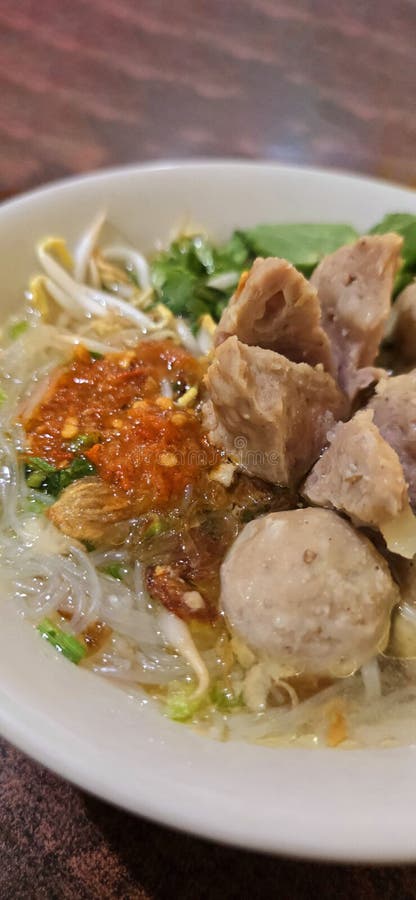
column 3, row 396
column 40, row 474
column 403, row 224
column 303, row 245
column 235, row 255
column 95, row 355
column 180, row 274
column 67, row 644
column 397, row 222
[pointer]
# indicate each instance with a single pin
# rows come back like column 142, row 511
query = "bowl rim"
column 196, row 163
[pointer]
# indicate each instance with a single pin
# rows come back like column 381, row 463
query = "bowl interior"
column 355, row 805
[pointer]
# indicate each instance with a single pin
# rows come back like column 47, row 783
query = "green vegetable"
column 403, row 224
column 67, row 644
column 224, row 697
column 154, row 528
column 180, row 275
column 3, row 396
column 37, row 472
column 95, row 355
column 84, row 441
column 115, row 570
column 234, row 256
column 180, row 702
column 44, row 477
column 17, row 329
column 303, row 245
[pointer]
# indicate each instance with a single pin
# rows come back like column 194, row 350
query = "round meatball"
column 304, row 589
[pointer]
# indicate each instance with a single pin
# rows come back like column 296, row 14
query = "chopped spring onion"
column 40, row 474
column 181, row 702
column 83, row 441
column 115, row 570
column 154, row 528
column 19, row 328
column 224, row 698
column 67, row 644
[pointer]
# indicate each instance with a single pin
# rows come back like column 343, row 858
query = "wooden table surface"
column 92, row 83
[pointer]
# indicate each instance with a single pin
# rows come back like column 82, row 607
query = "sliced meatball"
column 403, row 328
column 306, row 591
column 270, row 414
column 354, row 286
column 276, row 308
column 359, row 474
column 394, row 405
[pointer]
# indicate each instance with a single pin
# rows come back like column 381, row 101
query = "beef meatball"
column 304, row 589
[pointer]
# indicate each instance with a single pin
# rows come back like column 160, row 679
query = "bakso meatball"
column 305, row 590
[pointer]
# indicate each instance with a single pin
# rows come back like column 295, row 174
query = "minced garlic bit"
column 139, row 404
column 193, row 599
column 168, row 460
column 179, row 418
column 70, row 428
column 188, row 398
column 163, row 402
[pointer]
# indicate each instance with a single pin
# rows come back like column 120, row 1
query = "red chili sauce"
column 112, row 410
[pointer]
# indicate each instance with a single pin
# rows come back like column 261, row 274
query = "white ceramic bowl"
column 356, row 805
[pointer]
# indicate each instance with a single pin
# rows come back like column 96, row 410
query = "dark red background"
column 90, row 83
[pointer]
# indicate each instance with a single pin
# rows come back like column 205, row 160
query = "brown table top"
column 93, row 83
